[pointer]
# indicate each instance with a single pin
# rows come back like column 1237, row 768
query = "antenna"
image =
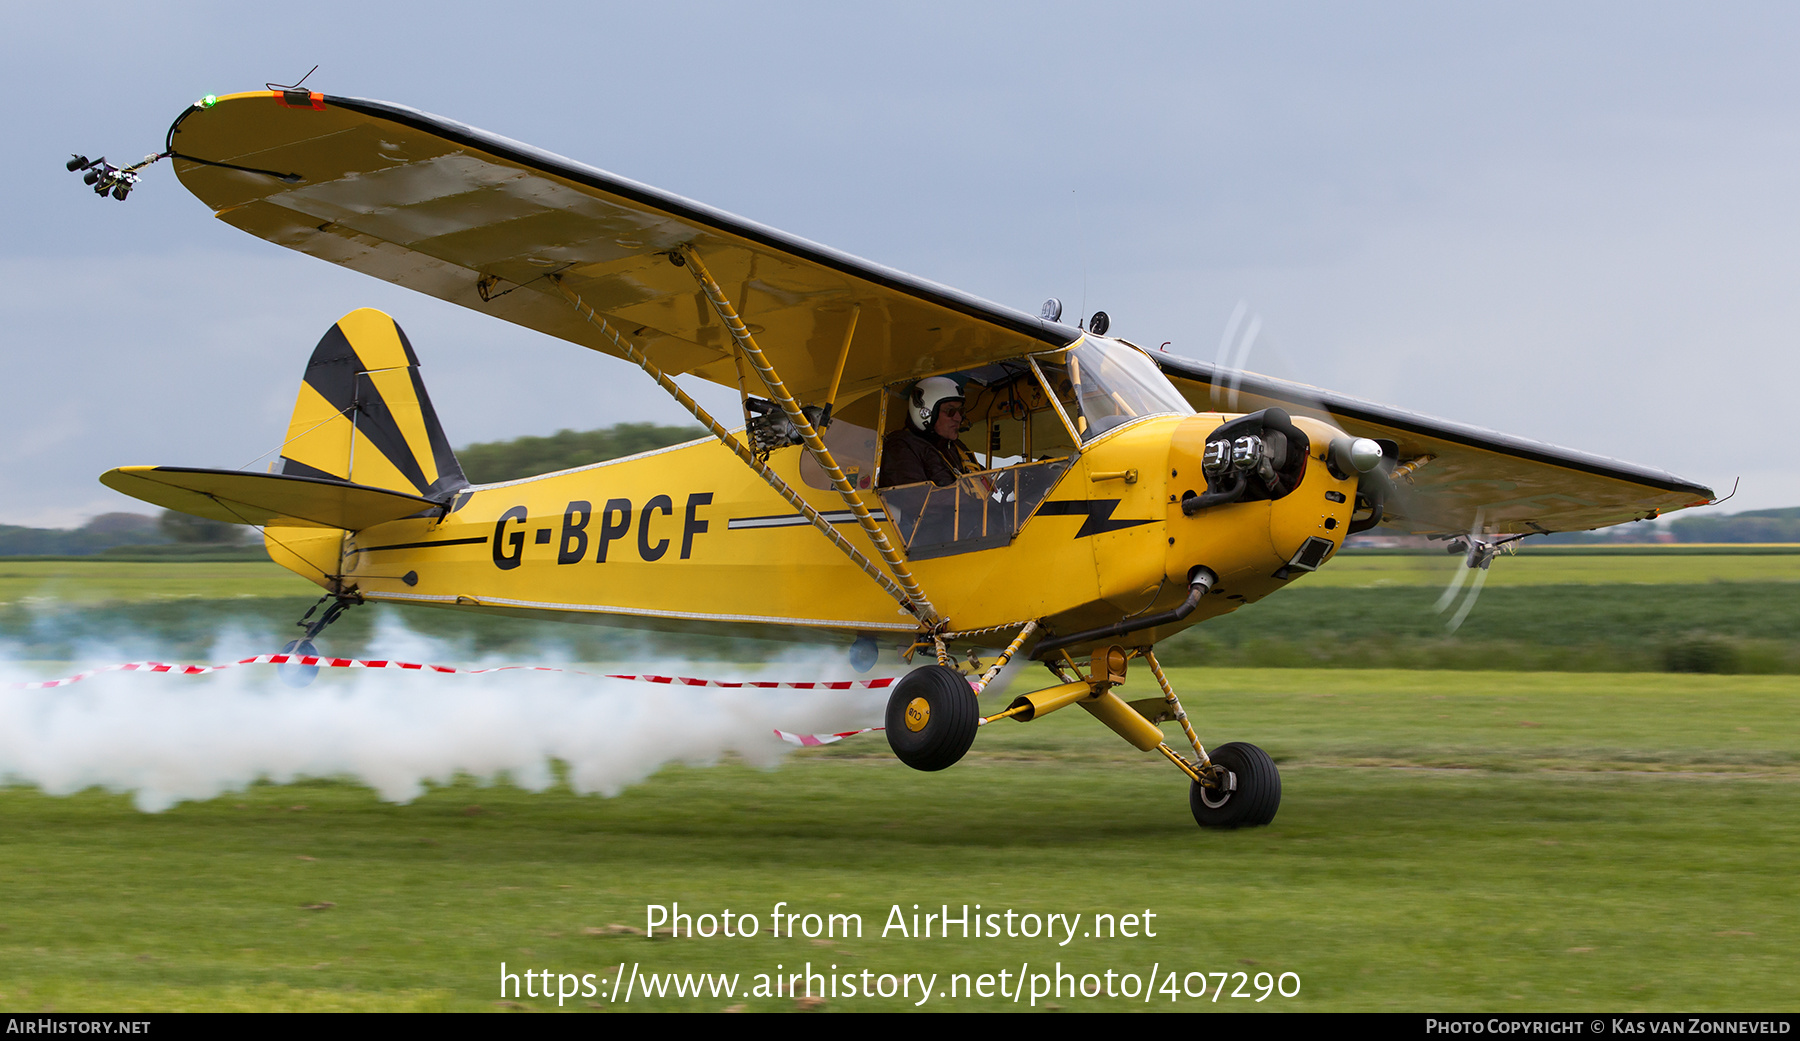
column 292, row 86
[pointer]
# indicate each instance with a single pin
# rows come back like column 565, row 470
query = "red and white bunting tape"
column 358, row 663
column 809, row 740
column 804, row 740
column 689, row 681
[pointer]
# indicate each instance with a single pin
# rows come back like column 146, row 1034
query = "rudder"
column 363, row 415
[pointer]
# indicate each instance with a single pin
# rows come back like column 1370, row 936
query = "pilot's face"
column 949, row 420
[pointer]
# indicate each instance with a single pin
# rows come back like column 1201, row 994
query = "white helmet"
column 927, row 395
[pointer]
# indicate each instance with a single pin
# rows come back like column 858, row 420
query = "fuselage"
column 690, row 538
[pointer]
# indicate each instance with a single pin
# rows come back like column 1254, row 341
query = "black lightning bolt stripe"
column 1097, row 511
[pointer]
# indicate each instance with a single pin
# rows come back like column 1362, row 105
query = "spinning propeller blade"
column 1478, row 554
column 1462, row 574
column 1468, row 604
column 1242, row 336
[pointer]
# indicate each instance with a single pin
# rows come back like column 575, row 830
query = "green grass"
column 92, row 581
column 1547, row 566
column 1580, row 613
column 1608, row 838
column 1748, row 627
column 46, row 583
column 1468, row 841
column 1535, row 547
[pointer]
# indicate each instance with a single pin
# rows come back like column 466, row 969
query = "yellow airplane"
column 1107, row 498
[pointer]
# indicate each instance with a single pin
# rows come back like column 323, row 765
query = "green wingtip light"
column 208, row 101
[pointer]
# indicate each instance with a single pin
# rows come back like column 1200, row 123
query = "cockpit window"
column 1018, row 447
column 1019, row 437
column 1109, row 384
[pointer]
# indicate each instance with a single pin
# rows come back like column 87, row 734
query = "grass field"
column 1471, row 841
column 45, row 583
column 1462, row 840
column 1547, row 567
column 1545, row 610
column 99, row 581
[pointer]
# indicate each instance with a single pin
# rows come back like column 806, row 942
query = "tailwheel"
column 932, row 717
column 293, row 673
column 1257, row 794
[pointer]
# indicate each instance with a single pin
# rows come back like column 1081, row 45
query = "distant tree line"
column 1781, row 525
column 483, row 463
column 102, row 532
column 119, row 531
column 492, row 461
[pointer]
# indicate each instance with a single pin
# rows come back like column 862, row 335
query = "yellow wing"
column 1463, row 473
column 487, row 222
column 480, row 220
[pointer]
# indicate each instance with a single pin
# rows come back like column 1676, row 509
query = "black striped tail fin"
column 363, row 415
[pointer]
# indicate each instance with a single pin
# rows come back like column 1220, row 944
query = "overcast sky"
column 1573, row 222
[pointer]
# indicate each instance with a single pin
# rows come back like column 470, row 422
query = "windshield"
column 1112, row 383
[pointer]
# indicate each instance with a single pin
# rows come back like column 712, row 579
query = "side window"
column 1020, row 447
column 1012, row 422
column 853, row 439
column 1007, row 419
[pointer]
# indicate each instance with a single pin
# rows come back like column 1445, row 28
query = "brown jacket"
column 908, row 456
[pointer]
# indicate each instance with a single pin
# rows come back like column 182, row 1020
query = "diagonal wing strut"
column 918, row 606
column 778, row 393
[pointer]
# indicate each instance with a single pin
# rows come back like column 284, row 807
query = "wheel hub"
column 1218, row 787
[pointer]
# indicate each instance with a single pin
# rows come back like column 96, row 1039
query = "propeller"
column 1477, row 554
column 1385, row 491
column 1231, row 362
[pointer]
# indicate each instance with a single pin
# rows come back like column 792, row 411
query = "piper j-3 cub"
column 1114, row 496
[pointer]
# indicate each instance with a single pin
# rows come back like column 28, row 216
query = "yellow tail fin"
column 363, row 415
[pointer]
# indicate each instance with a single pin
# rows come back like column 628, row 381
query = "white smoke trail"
column 169, row 739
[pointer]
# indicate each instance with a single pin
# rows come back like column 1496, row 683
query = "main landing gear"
column 1250, row 795
column 293, row 673
column 932, row 716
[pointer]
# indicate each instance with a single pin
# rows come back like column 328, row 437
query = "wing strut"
column 778, row 392
column 919, row 607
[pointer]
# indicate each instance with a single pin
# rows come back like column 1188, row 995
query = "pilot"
column 927, row 448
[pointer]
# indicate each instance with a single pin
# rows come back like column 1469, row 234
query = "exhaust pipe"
column 1200, row 582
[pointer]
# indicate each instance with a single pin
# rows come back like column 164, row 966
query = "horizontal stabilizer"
column 288, row 500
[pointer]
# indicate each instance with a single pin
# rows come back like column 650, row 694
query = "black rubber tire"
column 295, row 674
column 950, row 724
column 1258, row 793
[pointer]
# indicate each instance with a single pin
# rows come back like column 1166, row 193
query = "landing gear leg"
column 293, row 673
column 1237, row 786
